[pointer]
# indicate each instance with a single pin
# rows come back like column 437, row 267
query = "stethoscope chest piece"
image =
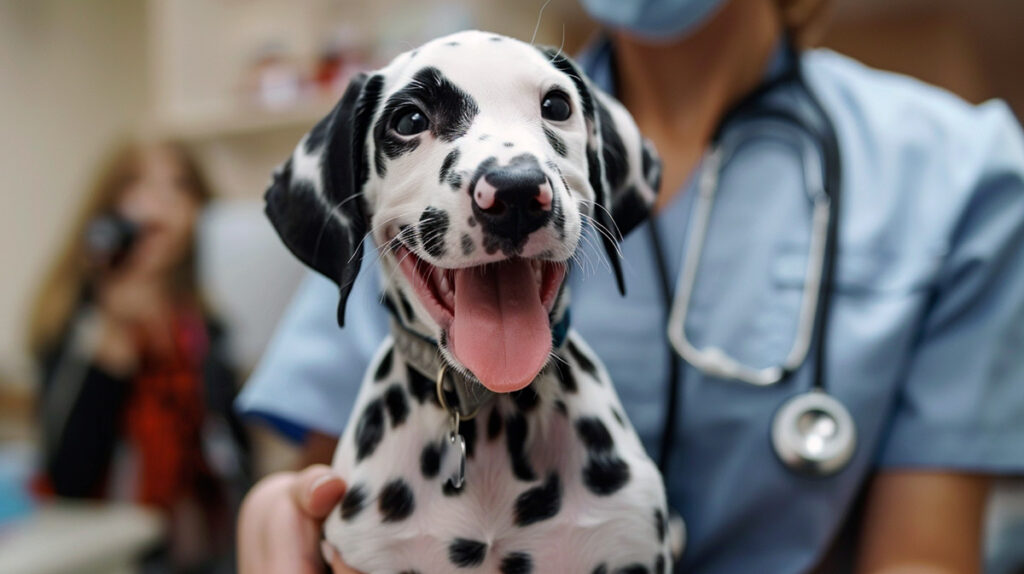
column 814, row 434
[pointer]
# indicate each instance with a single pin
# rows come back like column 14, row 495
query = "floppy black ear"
column 314, row 200
column 624, row 169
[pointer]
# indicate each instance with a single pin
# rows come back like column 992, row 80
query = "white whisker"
column 537, row 27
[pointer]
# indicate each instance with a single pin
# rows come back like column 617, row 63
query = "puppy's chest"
column 552, row 480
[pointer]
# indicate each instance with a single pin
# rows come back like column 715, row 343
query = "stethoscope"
column 812, row 432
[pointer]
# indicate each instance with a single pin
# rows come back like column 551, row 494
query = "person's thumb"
column 317, row 490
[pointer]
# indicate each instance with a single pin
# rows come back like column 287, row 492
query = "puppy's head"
column 474, row 162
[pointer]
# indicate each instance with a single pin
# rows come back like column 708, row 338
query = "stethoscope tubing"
column 712, row 360
column 820, row 149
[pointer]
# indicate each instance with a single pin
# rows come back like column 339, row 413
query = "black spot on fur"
column 605, row 473
column 471, row 221
column 451, row 44
column 560, row 407
column 396, row 501
column 558, row 215
column 659, row 524
column 369, row 429
column 540, row 502
column 557, row 143
column 618, row 417
column 526, row 398
column 467, row 244
column 466, row 553
column 421, row 387
column 449, row 489
column 455, row 181
column 407, row 235
column 515, row 439
column 447, row 165
column 495, row 38
column 390, row 145
column 583, row 361
column 517, row 563
column 484, row 137
column 389, row 304
column 433, row 228
column 493, row 424
column 509, row 144
column 353, row 502
column 566, row 378
column 467, row 428
column 410, row 315
column 633, row 569
column 659, row 564
column 450, row 108
column 394, row 401
column 594, row 434
column 384, row 366
column 413, row 54
column 430, row 459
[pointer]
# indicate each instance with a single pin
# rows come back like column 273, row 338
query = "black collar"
column 456, row 390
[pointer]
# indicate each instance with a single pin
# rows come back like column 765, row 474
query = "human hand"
column 280, row 520
column 130, row 309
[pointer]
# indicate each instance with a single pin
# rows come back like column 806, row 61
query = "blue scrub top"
column 925, row 342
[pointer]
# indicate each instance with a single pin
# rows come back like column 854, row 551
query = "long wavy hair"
column 62, row 287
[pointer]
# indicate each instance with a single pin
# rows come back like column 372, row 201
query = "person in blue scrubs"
column 925, row 340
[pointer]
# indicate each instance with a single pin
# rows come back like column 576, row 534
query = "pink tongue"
column 501, row 331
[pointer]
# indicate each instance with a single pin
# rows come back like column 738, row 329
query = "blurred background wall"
column 72, row 78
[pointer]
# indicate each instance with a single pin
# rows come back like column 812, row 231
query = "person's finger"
column 253, row 518
column 332, row 556
column 317, row 490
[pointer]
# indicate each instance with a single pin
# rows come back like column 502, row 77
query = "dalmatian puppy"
column 486, row 436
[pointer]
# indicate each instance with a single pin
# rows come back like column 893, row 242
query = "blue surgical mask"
column 653, row 19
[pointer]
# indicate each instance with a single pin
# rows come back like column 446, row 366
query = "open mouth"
column 495, row 315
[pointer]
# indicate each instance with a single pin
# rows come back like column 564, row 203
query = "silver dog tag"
column 456, row 469
column 455, row 466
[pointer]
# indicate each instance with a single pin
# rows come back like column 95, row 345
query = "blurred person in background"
column 136, row 389
column 926, row 330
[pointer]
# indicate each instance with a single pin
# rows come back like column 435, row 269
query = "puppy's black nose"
column 514, row 200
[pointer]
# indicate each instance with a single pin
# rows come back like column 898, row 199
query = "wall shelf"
column 245, row 120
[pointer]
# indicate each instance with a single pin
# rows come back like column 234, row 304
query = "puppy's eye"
column 555, row 107
column 411, row 122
